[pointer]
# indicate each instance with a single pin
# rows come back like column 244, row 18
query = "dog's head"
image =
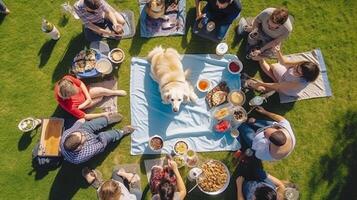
column 175, row 95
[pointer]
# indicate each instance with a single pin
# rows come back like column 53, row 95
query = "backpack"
column 44, row 162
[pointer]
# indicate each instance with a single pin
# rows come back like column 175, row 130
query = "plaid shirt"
column 86, row 17
column 91, row 147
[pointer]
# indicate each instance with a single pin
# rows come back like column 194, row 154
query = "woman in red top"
column 73, row 96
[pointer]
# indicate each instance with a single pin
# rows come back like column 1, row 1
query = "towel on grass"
column 192, row 123
column 320, row 87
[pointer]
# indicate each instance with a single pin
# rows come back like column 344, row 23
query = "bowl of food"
column 156, row 143
column 203, row 85
column 236, row 97
column 28, row 124
column 180, row 147
column 116, row 55
column 239, row 114
column 221, row 48
column 222, row 126
column 235, row 66
column 104, row 66
column 221, row 113
column 180, row 161
column 214, row 178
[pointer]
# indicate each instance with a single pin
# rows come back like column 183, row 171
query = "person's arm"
column 279, row 86
column 198, row 9
column 279, row 184
column 86, row 94
column 180, row 184
column 273, row 116
column 283, row 59
column 239, row 183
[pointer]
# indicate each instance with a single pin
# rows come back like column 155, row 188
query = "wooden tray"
column 51, row 132
column 222, row 86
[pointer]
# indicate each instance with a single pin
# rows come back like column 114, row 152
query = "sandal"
column 98, row 180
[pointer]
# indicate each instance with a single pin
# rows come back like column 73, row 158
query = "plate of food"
column 239, row 114
column 218, row 95
column 156, row 143
column 85, row 61
column 28, row 124
column 116, row 55
column 180, row 147
column 214, row 178
column 180, row 161
column 236, row 97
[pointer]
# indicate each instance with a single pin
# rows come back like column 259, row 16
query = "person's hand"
column 199, row 16
column 172, row 164
column 239, row 180
column 256, row 52
column 260, row 109
column 85, row 104
column 277, row 48
column 118, row 28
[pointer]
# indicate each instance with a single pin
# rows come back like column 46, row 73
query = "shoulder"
column 289, row 24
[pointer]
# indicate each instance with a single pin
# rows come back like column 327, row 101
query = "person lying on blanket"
column 270, row 140
column 268, row 30
column 115, row 188
column 288, row 77
column 82, row 141
column 74, row 97
column 165, row 180
column 221, row 12
column 99, row 19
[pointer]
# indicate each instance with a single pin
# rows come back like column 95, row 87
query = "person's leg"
column 247, row 133
column 110, row 136
column 267, row 69
column 222, row 30
column 94, row 102
column 95, row 124
column 116, row 177
column 96, row 92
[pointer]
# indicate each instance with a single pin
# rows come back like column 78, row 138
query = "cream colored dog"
column 167, row 70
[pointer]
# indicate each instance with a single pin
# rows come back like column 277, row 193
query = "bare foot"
column 131, row 177
column 120, row 93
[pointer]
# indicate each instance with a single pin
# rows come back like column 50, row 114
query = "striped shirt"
column 87, row 17
column 91, row 147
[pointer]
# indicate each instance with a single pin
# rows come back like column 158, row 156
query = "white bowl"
column 221, row 48
column 111, row 58
column 239, row 63
column 104, row 66
column 156, row 150
column 208, row 87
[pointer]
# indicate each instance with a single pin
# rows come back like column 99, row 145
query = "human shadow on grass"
column 45, row 52
column 75, row 45
column 335, row 172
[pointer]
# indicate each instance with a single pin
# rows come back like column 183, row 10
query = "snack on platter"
column 218, row 95
column 181, row 147
column 214, row 177
column 221, row 113
column 180, row 161
column 116, row 55
column 156, row 143
column 239, row 114
column 236, row 98
column 85, row 60
column 222, row 126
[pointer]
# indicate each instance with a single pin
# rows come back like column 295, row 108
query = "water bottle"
column 50, row 29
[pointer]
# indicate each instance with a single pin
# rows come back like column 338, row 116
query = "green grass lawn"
column 323, row 163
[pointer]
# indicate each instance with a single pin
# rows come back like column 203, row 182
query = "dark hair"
column 265, row 193
column 166, row 190
column 224, row 1
column 72, row 142
column 310, row 71
column 278, row 138
column 279, row 16
column 92, row 4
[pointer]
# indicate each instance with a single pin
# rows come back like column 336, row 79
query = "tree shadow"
column 45, row 52
column 336, row 170
column 75, row 45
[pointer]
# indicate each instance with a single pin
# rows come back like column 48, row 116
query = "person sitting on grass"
column 74, row 97
column 270, row 140
column 268, row 30
column 117, row 187
column 221, row 12
column 3, row 8
column 99, row 19
column 80, row 142
column 165, row 180
column 288, row 77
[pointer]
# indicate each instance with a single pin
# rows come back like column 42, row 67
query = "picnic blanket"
column 320, row 87
column 157, row 27
column 129, row 26
column 193, row 122
column 108, row 104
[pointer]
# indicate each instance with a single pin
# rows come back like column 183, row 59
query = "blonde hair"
column 66, row 88
column 109, row 190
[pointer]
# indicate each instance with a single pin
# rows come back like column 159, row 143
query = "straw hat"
column 280, row 152
column 155, row 8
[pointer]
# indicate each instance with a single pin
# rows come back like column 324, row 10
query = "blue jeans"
column 248, row 130
column 97, row 124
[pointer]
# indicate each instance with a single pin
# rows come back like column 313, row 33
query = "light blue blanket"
column 193, row 122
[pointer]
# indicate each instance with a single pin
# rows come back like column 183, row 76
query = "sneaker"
column 114, row 117
column 128, row 130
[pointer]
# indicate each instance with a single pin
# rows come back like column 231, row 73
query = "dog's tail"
column 156, row 50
